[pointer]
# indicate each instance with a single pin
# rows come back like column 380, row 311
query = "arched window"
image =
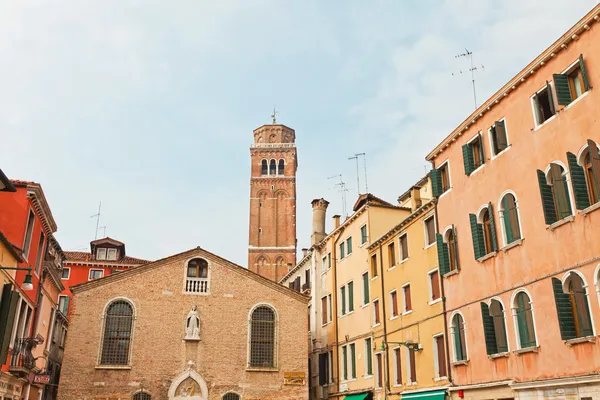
column 231, row 396
column 262, row 338
column 524, row 321
column 197, row 268
column 591, row 165
column 458, row 332
column 281, row 168
column 487, row 230
column 494, row 327
column 483, row 231
column 585, row 175
column 118, row 326
column 510, row 218
column 273, row 167
column 452, row 252
column 555, row 194
column 572, row 307
column 447, row 252
column 264, row 167
column 142, row 396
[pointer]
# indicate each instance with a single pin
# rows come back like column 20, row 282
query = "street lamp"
column 409, row 345
column 27, row 283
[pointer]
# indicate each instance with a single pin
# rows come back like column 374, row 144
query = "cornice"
column 548, row 55
column 36, row 194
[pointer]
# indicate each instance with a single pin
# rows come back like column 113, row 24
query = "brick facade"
column 159, row 354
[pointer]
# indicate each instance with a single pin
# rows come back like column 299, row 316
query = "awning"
column 361, row 396
column 431, row 395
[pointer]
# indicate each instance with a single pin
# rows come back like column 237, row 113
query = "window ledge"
column 446, row 191
column 477, row 169
column 585, row 339
column 451, row 273
column 487, row 256
column 461, row 362
column 575, row 101
column 532, row 349
column 561, row 222
column 591, row 208
column 509, row 246
column 501, row 152
column 504, row 354
column 376, row 325
column 428, row 246
column 125, row 367
column 407, row 312
column 375, row 277
column 394, row 317
column 440, row 378
column 404, row 260
column 432, row 302
column 393, row 267
column 544, row 123
column 252, row 369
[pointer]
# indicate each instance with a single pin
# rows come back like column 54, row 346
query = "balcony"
column 22, row 362
column 306, row 288
column 196, row 286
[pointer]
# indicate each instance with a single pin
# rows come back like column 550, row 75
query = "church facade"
column 191, row 326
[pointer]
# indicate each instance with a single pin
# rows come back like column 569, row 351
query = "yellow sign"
column 294, row 378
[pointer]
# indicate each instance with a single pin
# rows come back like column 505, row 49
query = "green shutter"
column 343, row 296
column 350, row 296
column 8, row 308
column 582, row 200
column 345, row 362
column 586, row 330
column 524, row 333
column 349, row 246
column 563, row 91
column 366, row 289
column 537, row 109
column 506, row 220
column 468, row 159
column 493, row 227
column 550, row 98
column 547, row 199
column 443, row 256
column 457, row 342
column 436, row 182
column 584, row 75
column 353, row 359
column 477, row 233
column 595, row 159
column 455, row 247
column 500, row 134
column 566, row 321
column 488, row 330
column 481, row 151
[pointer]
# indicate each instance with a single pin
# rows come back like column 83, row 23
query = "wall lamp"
column 409, row 345
column 27, row 283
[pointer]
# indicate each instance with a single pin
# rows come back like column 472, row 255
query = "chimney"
column 304, row 252
column 415, row 196
column 319, row 207
column 336, row 221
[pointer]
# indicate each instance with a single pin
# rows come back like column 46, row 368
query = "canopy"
column 360, row 396
column 431, row 395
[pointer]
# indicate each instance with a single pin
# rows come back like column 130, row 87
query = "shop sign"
column 294, row 378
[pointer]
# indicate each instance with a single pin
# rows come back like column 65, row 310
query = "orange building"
column 518, row 193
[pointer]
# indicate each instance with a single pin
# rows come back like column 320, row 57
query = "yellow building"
column 406, row 304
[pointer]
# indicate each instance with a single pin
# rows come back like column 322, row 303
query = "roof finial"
column 274, row 115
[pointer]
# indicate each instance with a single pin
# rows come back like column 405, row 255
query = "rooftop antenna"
column 342, row 186
column 469, row 54
column 364, row 156
column 97, row 216
column 357, row 174
column 274, row 115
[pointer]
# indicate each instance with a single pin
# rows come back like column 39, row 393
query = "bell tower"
column 272, row 236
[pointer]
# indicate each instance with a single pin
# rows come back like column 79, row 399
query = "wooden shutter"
column 435, row 285
column 323, row 368
column 582, row 199
column 481, row 150
column 324, row 318
column 563, row 91
column 398, row 359
column 369, row 356
column 494, row 237
column 584, row 75
column 477, row 234
column 353, row 360
column 561, row 191
column 458, row 348
column 8, row 309
column 547, row 199
column 343, row 298
column 379, row 382
column 506, row 220
column 443, row 257
column 365, row 279
column 566, row 320
column 394, row 304
column 522, row 322
column 595, row 159
column 376, row 307
column 468, row 159
column 413, row 365
column 550, row 98
column 436, row 182
column 488, row 330
column 500, row 133
column 538, row 110
column 345, row 362
column 455, row 244
column 350, row 296
column 408, row 303
column 441, row 356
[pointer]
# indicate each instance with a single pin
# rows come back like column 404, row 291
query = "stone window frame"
column 208, row 275
column 99, row 364
column 275, row 367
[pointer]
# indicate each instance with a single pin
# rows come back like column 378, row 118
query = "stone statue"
column 192, row 325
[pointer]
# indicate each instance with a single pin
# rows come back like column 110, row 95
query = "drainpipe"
column 383, row 307
column 334, row 297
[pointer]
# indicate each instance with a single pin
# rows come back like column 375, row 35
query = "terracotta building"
column 272, row 236
column 191, row 326
column 518, row 198
column 105, row 257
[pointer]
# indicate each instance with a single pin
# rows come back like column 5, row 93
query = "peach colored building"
column 518, row 189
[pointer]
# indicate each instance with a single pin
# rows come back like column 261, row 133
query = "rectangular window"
column 28, row 233
column 412, row 367
column 363, row 234
column 324, row 316
column 111, row 254
column 331, row 367
column 330, row 307
column 407, row 302
column 353, row 361
column 342, row 252
column 429, row 231
column 473, row 155
column 349, row 246
column 391, row 255
column 378, row 370
column 63, row 304
column 543, row 105
column 498, row 137
column 394, row 304
column 328, row 260
column 441, row 179
column 66, row 273
column 365, row 281
column 404, row 247
column 368, row 357
column 374, row 265
column 323, row 368
column 571, row 84
column 376, row 312
column 397, row 367
column 324, row 264
column 350, row 296
column 345, row 362
column 95, row 274
column 40, row 254
column 343, row 300
column 440, row 357
column 434, row 285
column 101, row 254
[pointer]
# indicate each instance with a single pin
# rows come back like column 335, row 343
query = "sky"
column 149, row 106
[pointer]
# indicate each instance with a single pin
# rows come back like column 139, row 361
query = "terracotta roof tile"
column 74, row 256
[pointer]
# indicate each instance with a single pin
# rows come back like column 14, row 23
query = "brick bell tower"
column 272, row 242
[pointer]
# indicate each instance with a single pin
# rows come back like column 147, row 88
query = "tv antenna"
column 342, row 188
column 469, row 54
column 97, row 216
column 274, row 115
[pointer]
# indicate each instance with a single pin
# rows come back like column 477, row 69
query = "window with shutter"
column 566, row 320
column 374, row 271
column 548, row 207
column 412, row 364
column 458, row 331
column 379, row 370
column 571, row 84
column 452, row 249
column 434, row 285
column 498, row 137
column 473, row 154
column 391, row 255
column 591, row 163
column 323, row 367
column 429, row 224
column 394, row 304
column 353, row 360
column 324, row 317
column 345, row 362
column 397, row 367
column 578, row 180
column 343, row 300
column 440, row 179
column 443, row 256
column 560, row 191
column 8, row 309
column 404, row 247
column 376, row 312
column 524, row 316
column 543, row 104
column 365, row 281
column 349, row 246
column 510, row 218
column 497, row 315
column 368, row 357
column 478, row 238
column 350, row 296
column 342, row 252
column 407, row 298
column 578, row 299
column 440, row 354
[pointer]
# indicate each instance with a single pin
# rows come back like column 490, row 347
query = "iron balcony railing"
column 22, row 359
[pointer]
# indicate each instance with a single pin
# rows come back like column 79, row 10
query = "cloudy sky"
column 149, row 106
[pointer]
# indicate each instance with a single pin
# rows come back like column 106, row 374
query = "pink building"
column 518, row 186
